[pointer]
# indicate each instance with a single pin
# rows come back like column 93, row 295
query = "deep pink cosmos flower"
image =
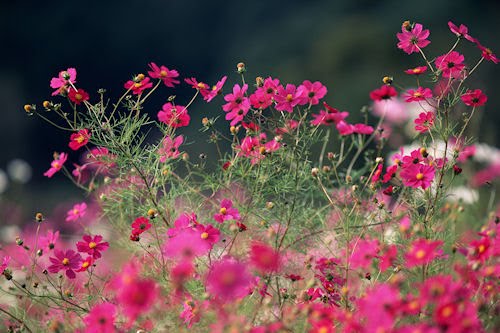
column 462, row 31
column 138, row 86
column 80, row 139
column 78, row 96
column 229, row 280
column 56, row 164
column 329, row 116
column 417, row 175
column 101, row 319
column 362, row 129
column 168, row 76
column 62, row 82
column 422, row 251
column 451, row 64
column 68, row 261
column 170, row 148
column 474, row 98
column 85, row 265
column 287, row 98
column 76, row 212
column 385, row 92
column 209, row 95
column 362, row 252
column 236, row 115
column 411, row 39
column 208, row 234
column 5, row 264
column 487, row 54
column 237, row 101
column 201, row 86
column 416, row 71
column 227, row 212
column 424, row 121
column 264, row 258
column 140, row 225
column 92, row 245
column 344, row 128
column 311, row 92
column 419, row 94
column 174, row 115
column 263, row 97
column 186, row 245
column 48, row 242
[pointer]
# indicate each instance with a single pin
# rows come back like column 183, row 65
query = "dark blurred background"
column 347, row 45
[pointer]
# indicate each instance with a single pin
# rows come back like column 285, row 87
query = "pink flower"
column 287, row 98
column 474, row 98
column 263, row 97
column 487, row 54
column 237, row 102
column 422, row 251
column 229, row 280
column 101, row 319
column 80, row 139
column 201, row 86
column 84, row 266
column 138, row 86
column 311, row 92
column 264, row 258
column 174, row 115
column 67, row 261
column 78, row 96
column 419, row 94
column 362, row 129
column 170, row 148
column 328, row 117
column 417, row 175
column 140, row 225
column 48, row 242
column 168, row 76
column 417, row 70
column 208, row 234
column 57, row 164
column 5, row 263
column 236, row 115
column 379, row 307
column 187, row 244
column 190, row 313
column 424, row 121
column 385, row 92
column 92, row 245
column 76, row 212
column 344, row 128
column 62, row 82
column 209, row 95
column 461, row 31
column 363, row 251
column 411, row 39
column 450, row 64
column 227, row 212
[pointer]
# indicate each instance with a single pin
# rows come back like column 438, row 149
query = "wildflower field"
column 302, row 221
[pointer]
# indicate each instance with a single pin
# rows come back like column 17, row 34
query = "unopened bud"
column 39, row 217
column 205, row 121
column 47, row 105
column 139, row 77
column 241, row 68
column 29, row 108
column 269, row 205
column 387, row 80
column 152, row 213
column 379, row 160
column 423, row 152
column 314, row 172
column 259, row 81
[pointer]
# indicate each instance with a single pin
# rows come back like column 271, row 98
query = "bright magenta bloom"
column 78, row 96
column 311, row 92
column 411, row 39
column 416, row 70
column 487, row 54
column 163, row 73
column 451, row 64
column 92, row 245
column 174, row 116
column 424, row 121
column 419, row 94
column 5, row 263
column 227, row 212
column 80, row 139
column 86, row 263
column 474, row 98
column 329, row 116
column 208, row 95
column 187, row 244
column 362, row 129
column 101, row 319
column 417, row 175
column 140, row 225
column 62, row 82
column 422, row 251
column 170, row 148
column 229, row 280
column 287, row 98
column 68, row 261
column 264, row 258
column 76, row 212
column 461, row 31
column 385, row 92
column 236, row 115
column 201, row 86
column 362, row 252
column 208, row 234
column 137, row 86
column 263, row 97
column 48, row 242
column 56, row 164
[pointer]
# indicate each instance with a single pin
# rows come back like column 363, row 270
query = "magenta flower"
column 227, row 212
column 168, row 76
column 329, row 116
column 56, row 164
column 201, row 86
column 174, row 116
column 417, row 175
column 416, row 71
column 411, row 39
column 236, row 115
column 187, row 244
column 208, row 95
column 474, row 98
column 208, row 234
column 462, row 31
column 48, row 242
column 287, row 98
column 264, row 258
column 170, row 148
column 487, row 54
column 68, row 261
column 140, row 225
column 422, row 251
column 424, row 121
column 451, row 64
column 344, row 128
column 263, row 97
column 101, row 319
column 419, row 94
column 92, row 245
column 138, row 86
column 80, row 139
column 229, row 280
column 237, row 101
column 84, row 266
column 76, row 212
column 311, row 92
column 5, row 263
column 78, row 96
column 385, row 92
column 362, row 129
column 363, row 251
column 62, row 82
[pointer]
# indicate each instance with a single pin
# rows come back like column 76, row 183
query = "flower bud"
column 240, row 67
column 29, row 108
column 39, row 217
column 139, row 77
column 387, row 80
column 330, row 155
column 47, row 105
column 205, row 122
column 152, row 213
column 269, row 205
column 259, row 81
column 314, row 172
column 379, row 160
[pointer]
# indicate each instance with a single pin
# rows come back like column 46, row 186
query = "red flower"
column 311, row 92
column 422, row 251
column 411, row 39
column 417, row 175
column 78, row 96
column 163, row 73
column 461, row 31
column 140, row 225
column 424, row 121
column 383, row 93
column 474, row 98
column 80, row 139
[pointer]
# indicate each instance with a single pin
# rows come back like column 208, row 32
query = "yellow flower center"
column 201, row 85
column 92, row 245
column 85, row 264
column 417, row 94
column 447, row 311
column 57, row 165
column 65, row 261
column 420, row 176
column 481, row 248
column 80, row 138
column 228, row 278
column 204, row 235
column 78, row 96
column 289, row 97
column 416, row 70
column 163, row 74
column 137, row 85
column 223, row 211
column 420, row 254
column 323, row 329
column 76, row 211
